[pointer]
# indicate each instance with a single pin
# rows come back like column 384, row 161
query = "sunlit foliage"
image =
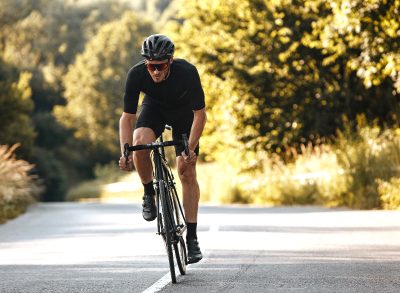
column 367, row 31
column 286, row 72
column 94, row 84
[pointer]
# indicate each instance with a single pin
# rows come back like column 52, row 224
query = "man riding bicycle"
column 173, row 96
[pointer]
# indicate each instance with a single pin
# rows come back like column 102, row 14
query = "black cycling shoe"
column 149, row 212
column 194, row 252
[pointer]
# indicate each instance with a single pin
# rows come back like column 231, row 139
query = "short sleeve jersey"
column 182, row 89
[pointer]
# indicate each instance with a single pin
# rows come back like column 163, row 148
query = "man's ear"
column 171, row 59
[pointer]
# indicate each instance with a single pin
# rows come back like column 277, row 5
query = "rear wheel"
column 180, row 254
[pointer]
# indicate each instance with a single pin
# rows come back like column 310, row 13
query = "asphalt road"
column 91, row 247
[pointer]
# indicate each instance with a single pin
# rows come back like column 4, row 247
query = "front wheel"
column 167, row 231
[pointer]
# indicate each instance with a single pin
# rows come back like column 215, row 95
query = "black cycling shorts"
column 156, row 118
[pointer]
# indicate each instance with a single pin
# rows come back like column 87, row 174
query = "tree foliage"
column 289, row 71
column 94, row 84
column 15, row 108
column 368, row 32
column 39, row 39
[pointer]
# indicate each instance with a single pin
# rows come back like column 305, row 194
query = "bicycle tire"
column 168, row 239
column 179, row 216
column 178, row 220
column 180, row 255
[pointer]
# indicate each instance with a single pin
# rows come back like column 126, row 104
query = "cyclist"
column 173, row 96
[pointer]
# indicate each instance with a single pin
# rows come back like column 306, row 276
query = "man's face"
column 158, row 70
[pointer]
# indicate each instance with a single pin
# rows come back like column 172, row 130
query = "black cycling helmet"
column 157, row 47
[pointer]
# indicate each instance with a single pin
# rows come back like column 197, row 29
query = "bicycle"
column 171, row 222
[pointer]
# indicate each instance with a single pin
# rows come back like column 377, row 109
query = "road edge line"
column 161, row 283
column 166, row 279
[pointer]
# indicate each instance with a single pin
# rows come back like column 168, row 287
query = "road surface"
column 93, row 247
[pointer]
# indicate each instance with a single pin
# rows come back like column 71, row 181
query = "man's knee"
column 187, row 174
column 142, row 136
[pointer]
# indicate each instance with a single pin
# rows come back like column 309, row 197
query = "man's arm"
column 199, row 121
column 126, row 123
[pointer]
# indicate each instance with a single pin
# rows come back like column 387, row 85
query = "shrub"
column 108, row 173
column 111, row 184
column 17, row 188
column 389, row 193
column 369, row 155
column 360, row 170
column 314, row 177
column 85, row 190
column 49, row 168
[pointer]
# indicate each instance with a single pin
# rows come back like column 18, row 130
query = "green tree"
column 94, row 83
column 42, row 38
column 367, row 32
column 15, row 108
column 280, row 81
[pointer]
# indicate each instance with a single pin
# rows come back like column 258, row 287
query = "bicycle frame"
column 161, row 169
column 170, row 219
column 158, row 180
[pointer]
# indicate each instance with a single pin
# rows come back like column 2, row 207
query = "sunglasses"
column 159, row 67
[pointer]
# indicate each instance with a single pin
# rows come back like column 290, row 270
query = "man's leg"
column 144, row 135
column 191, row 196
column 190, row 189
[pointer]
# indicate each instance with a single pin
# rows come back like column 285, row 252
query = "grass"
column 126, row 188
column 360, row 170
column 112, row 184
column 18, row 189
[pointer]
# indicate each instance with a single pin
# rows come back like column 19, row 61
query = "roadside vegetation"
column 302, row 96
column 18, row 188
column 358, row 171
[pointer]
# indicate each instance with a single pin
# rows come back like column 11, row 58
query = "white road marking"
column 166, row 279
column 161, row 283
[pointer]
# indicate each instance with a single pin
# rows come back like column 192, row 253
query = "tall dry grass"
column 371, row 158
column 17, row 187
column 360, row 170
column 313, row 177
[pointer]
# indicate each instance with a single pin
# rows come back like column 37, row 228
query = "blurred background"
column 302, row 98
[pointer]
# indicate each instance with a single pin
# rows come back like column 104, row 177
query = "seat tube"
column 158, row 165
column 158, row 178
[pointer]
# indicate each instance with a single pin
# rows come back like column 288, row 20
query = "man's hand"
column 191, row 159
column 126, row 167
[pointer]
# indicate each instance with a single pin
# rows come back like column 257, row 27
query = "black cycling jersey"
column 179, row 92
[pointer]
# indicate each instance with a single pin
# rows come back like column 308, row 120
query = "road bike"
column 171, row 222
